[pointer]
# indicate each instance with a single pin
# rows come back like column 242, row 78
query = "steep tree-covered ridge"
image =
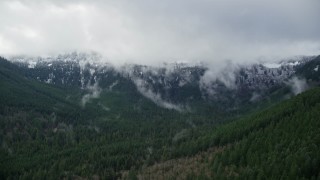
column 281, row 142
column 113, row 130
column 171, row 85
column 46, row 130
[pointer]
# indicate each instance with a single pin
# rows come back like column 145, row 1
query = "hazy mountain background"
column 69, row 118
column 159, row 89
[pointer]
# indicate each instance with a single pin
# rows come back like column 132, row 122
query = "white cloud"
column 148, row 32
column 298, row 85
column 154, row 97
column 93, row 93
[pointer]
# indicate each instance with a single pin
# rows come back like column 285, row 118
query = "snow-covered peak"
column 272, row 65
column 92, row 58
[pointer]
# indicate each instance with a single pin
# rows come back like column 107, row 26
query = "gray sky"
column 153, row 31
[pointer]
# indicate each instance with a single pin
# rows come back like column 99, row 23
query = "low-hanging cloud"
column 220, row 72
column 155, row 97
column 298, row 85
column 149, row 32
column 93, row 93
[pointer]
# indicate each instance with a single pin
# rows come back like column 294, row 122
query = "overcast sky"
column 151, row 31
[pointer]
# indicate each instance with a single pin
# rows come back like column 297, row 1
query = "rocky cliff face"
column 177, row 82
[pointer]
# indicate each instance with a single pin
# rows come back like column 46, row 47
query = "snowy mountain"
column 177, row 83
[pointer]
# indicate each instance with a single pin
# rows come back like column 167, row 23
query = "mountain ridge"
column 101, row 130
column 171, row 84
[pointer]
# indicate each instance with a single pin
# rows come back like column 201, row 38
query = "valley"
column 139, row 123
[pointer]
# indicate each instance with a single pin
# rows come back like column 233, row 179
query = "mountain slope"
column 46, row 131
column 280, row 142
column 173, row 85
column 17, row 91
column 109, row 125
column 311, row 70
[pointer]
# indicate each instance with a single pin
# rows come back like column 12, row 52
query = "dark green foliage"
column 281, row 142
column 46, row 133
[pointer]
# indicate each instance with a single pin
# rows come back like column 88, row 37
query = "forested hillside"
column 168, row 90
column 47, row 132
column 281, row 142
